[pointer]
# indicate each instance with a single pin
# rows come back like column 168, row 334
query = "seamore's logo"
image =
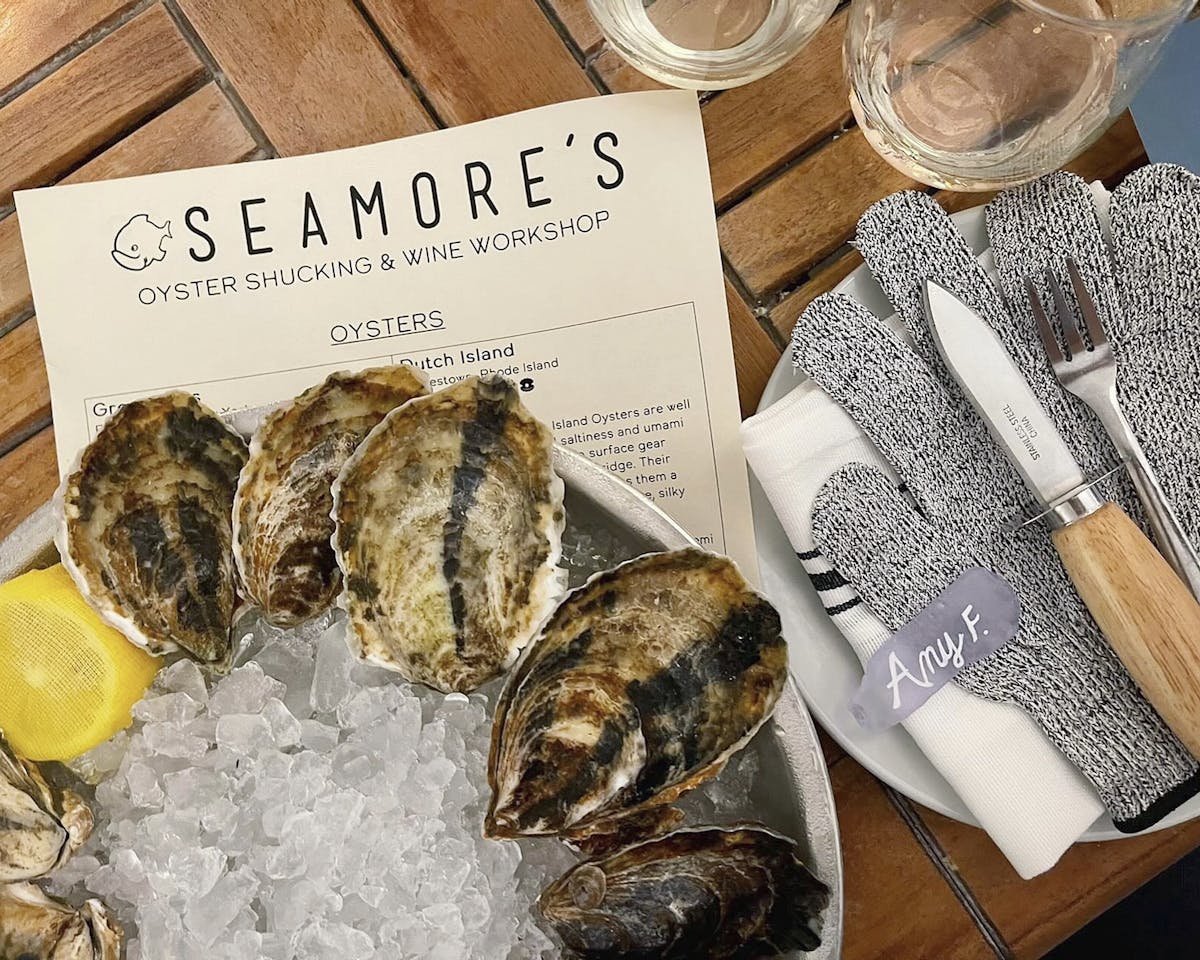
column 140, row 242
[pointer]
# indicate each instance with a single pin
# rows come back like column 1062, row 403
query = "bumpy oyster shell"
column 644, row 682
column 34, row 927
column 146, row 531
column 702, row 894
column 40, row 826
column 449, row 522
column 281, row 513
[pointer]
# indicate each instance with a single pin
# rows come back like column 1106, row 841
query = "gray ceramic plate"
column 793, row 793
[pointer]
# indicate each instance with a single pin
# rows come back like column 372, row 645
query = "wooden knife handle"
column 1150, row 618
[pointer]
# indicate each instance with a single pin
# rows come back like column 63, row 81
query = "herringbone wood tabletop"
column 105, row 88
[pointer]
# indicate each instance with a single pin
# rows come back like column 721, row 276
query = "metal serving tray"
column 793, row 793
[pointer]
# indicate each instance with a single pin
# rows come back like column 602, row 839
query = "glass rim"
column 1178, row 9
column 781, row 35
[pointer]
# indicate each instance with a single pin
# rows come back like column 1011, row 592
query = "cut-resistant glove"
column 901, row 552
column 1146, row 287
column 1028, row 797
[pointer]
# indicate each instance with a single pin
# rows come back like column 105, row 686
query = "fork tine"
column 1087, row 306
column 1045, row 328
column 1066, row 319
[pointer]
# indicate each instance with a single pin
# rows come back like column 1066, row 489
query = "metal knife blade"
column 1001, row 395
column 1148, row 615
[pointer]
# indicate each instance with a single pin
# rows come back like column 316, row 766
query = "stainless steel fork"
column 1090, row 372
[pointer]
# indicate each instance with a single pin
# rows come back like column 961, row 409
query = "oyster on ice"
column 644, row 682
column 34, row 927
column 449, row 520
column 147, row 531
column 698, row 894
column 281, row 513
column 40, row 826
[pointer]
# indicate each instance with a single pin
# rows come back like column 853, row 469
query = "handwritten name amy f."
column 945, row 651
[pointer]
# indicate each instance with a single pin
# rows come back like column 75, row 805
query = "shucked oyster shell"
column 449, row 521
column 147, row 530
column 702, row 894
column 281, row 512
column 40, row 826
column 644, row 682
column 34, row 927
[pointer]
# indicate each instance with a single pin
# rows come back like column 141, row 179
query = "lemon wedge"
column 68, row 680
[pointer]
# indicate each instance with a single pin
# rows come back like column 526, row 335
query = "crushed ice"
column 310, row 806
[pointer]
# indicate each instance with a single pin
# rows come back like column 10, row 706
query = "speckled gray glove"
column 1147, row 292
column 901, row 552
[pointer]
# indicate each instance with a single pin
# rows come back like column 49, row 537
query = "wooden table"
column 105, row 88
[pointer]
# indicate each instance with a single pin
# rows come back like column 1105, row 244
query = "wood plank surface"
column 788, row 311
column 898, row 907
column 28, row 478
column 1035, row 915
column 754, row 352
column 619, row 77
column 32, row 33
column 311, row 72
column 751, row 130
column 22, row 382
column 480, row 71
column 200, row 131
column 124, row 78
column 578, row 22
column 15, row 298
column 804, row 215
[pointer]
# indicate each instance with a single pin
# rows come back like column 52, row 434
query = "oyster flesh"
column 644, row 682
column 34, row 927
column 40, row 826
column 281, row 513
column 146, row 531
column 449, row 521
column 696, row 894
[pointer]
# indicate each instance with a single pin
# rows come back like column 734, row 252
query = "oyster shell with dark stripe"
column 281, row 513
column 40, row 825
column 449, row 519
column 699, row 894
column 34, row 927
column 644, row 682
column 147, row 529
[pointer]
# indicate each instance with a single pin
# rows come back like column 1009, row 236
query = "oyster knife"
column 1148, row 615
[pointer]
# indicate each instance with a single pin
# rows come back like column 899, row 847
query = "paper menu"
column 572, row 248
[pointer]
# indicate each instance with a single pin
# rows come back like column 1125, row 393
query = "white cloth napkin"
column 1026, row 795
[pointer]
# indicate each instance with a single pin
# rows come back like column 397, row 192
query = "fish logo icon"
column 140, row 242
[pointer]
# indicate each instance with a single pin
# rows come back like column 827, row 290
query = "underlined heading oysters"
column 644, row 682
column 281, row 513
column 40, row 826
column 147, row 529
column 449, row 519
column 702, row 894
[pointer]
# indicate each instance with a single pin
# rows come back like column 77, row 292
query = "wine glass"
column 983, row 94
column 709, row 44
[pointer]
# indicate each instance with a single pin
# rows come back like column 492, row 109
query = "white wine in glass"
column 709, row 44
column 983, row 94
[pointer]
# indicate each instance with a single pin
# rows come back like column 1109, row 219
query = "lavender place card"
column 972, row 618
